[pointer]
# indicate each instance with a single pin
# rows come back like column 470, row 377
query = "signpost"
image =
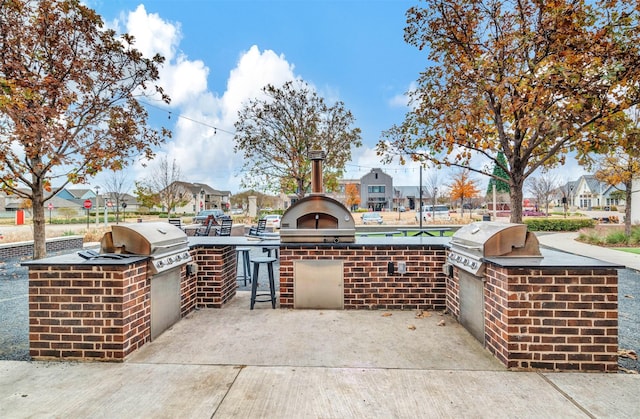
column 50, row 206
column 87, row 205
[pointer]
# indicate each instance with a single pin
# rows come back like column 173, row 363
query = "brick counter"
column 558, row 314
column 367, row 284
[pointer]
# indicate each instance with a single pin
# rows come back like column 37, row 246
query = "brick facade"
column 367, row 285
column 554, row 319
column 88, row 312
column 216, row 275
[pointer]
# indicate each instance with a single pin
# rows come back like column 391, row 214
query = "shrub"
column 558, row 224
column 590, row 236
column 616, row 237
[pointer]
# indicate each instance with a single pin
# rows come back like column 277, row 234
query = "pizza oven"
column 317, row 218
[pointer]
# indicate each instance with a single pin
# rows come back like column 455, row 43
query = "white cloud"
column 204, row 154
column 152, row 34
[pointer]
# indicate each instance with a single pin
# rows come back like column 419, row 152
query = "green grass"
column 635, row 250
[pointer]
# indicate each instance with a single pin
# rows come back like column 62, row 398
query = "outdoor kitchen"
column 532, row 308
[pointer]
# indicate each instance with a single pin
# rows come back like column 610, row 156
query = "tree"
column 500, row 176
column 621, row 163
column 164, row 186
column 352, row 196
column 116, row 187
column 276, row 134
column 68, row 103
column 536, row 80
column 542, row 188
column 463, row 186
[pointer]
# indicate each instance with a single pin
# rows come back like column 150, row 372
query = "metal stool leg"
column 272, row 285
column 254, row 283
column 246, row 264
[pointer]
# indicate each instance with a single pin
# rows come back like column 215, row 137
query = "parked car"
column 429, row 212
column 371, row 218
column 273, row 220
column 204, row 215
column 237, row 211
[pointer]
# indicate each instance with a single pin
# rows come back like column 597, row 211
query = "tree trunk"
column 39, row 234
column 516, row 201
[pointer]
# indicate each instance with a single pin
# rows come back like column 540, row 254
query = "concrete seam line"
column 566, row 395
column 240, row 368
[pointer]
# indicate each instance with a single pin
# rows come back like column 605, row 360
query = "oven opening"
column 317, row 220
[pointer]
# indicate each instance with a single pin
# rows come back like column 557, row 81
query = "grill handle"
column 466, row 246
column 167, row 246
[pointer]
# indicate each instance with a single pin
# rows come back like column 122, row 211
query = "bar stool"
column 243, row 252
column 269, row 249
column 263, row 297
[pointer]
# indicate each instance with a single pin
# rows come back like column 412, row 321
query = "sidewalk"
column 264, row 363
column 567, row 243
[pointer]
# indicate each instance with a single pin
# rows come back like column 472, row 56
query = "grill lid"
column 165, row 243
column 478, row 240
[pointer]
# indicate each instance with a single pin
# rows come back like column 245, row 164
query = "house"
column 587, row 193
column 200, row 196
column 376, row 191
column 409, row 197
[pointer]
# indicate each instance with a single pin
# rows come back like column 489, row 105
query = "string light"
column 215, row 129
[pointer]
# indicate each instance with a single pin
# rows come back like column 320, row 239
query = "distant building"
column 200, row 196
column 376, row 191
column 588, row 192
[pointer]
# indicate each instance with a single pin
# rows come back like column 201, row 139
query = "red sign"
column 109, row 204
column 87, row 204
column 50, row 206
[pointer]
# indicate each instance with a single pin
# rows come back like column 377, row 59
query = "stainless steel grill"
column 475, row 241
column 317, row 218
column 165, row 243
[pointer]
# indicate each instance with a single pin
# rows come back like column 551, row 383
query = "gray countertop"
column 419, row 241
column 552, row 259
column 76, row 260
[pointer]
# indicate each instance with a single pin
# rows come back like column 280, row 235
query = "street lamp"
column 97, row 206
column 201, row 199
column 106, row 217
column 433, row 208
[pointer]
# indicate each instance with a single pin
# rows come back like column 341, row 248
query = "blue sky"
column 220, row 53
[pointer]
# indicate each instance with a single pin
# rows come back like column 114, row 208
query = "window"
column 376, row 189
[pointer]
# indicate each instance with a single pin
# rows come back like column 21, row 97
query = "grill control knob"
column 474, row 264
column 160, row 264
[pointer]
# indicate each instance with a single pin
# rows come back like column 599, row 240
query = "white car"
column 273, row 220
column 371, row 218
column 429, row 213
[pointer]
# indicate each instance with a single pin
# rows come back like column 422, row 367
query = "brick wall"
column 16, row 250
column 551, row 318
column 216, row 275
column 88, row 312
column 367, row 285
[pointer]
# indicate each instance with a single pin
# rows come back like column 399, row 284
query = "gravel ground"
column 14, row 316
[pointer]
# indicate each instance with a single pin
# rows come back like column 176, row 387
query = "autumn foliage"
column 534, row 80
column 68, row 100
